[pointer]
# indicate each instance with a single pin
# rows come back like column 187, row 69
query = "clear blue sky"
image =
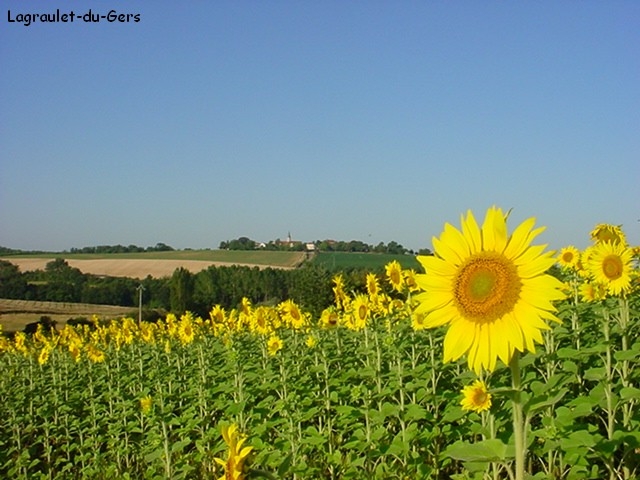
column 365, row 120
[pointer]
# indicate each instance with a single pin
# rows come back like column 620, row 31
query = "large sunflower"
column 490, row 288
column 610, row 264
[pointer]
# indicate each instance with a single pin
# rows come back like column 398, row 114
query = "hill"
column 370, row 261
column 159, row 264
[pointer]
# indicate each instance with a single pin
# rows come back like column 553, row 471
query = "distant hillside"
column 370, row 261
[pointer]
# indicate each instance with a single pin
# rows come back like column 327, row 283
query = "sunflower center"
column 612, row 267
column 486, row 287
column 362, row 312
column 479, row 397
column 568, row 257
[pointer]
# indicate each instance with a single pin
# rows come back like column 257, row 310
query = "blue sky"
column 366, row 120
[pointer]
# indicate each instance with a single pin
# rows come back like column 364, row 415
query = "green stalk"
column 519, row 433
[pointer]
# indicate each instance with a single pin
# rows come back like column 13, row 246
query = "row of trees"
column 159, row 247
column 393, row 247
column 310, row 286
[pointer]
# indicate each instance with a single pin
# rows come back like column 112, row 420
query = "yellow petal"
column 445, row 252
column 433, row 300
column 536, row 266
column 456, row 240
column 520, row 238
column 435, row 265
column 459, row 338
column 439, row 317
column 472, row 233
column 494, row 231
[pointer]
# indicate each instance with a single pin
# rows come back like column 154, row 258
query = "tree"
column 12, row 284
column 181, row 287
column 63, row 283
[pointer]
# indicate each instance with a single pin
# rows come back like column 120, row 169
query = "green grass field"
column 373, row 261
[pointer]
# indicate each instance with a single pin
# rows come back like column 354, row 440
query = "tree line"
column 393, row 247
column 158, row 247
column 310, row 286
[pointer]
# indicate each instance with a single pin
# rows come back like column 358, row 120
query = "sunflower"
column 372, row 285
column 360, row 312
column 274, row 344
column 341, row 297
column 44, row 354
column 94, row 354
column 569, row 257
column 604, row 232
column 610, row 264
column 593, row 292
column 490, row 288
column 476, row 397
column 186, row 332
column 417, row 321
column 311, row 341
column 234, row 464
column 410, row 280
column 329, row 318
column 145, row 404
column 394, row 275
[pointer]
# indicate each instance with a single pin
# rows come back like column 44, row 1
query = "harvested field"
column 15, row 314
column 126, row 267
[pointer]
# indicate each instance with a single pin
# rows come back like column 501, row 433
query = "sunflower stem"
column 518, row 418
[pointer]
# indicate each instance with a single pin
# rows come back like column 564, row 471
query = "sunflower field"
column 484, row 366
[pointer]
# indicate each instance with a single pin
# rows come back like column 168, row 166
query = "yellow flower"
column 274, row 344
column 608, row 233
column 94, row 354
column 359, row 312
column 74, row 350
column 186, row 331
column 476, row 397
column 233, row 465
column 145, row 404
column 569, row 257
column 261, row 322
column 610, row 264
column 490, row 288
column 341, row 298
column 592, row 292
column 329, row 318
column 410, row 280
column 292, row 315
column 418, row 321
column 372, row 285
column 147, row 330
column 394, row 275
column 44, row 354
column 311, row 341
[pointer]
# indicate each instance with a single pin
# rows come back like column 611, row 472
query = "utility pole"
column 140, row 289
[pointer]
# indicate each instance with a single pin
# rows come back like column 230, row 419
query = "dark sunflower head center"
column 612, row 267
column 486, row 287
column 479, row 397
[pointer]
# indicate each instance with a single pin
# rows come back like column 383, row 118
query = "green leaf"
column 630, row 393
column 492, row 450
column 596, row 374
column 153, row 456
column 625, row 355
column 414, row 412
column 539, row 403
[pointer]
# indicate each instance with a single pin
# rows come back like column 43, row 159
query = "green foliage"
column 336, row 261
column 12, row 283
column 373, row 404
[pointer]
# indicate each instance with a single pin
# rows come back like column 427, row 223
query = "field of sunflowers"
column 484, row 366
